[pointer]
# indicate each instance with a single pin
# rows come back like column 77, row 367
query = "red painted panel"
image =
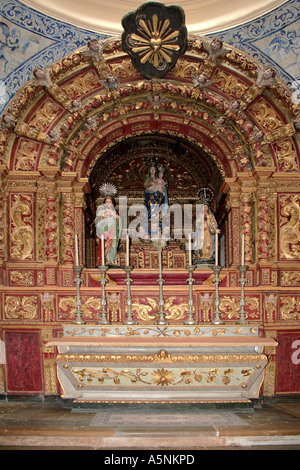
column 288, row 362
column 23, row 362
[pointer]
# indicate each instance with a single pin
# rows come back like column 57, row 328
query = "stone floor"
column 35, row 425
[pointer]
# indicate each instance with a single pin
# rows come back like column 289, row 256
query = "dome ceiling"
column 202, row 16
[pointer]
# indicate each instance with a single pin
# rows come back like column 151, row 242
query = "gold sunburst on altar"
column 155, row 42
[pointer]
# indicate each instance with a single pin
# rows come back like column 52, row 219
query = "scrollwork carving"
column 21, row 227
column 21, row 307
column 290, row 227
column 290, row 308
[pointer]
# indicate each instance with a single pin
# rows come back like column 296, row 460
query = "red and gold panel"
column 288, row 362
column 23, row 369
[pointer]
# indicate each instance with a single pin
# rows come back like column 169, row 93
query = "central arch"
column 126, row 165
column 69, row 121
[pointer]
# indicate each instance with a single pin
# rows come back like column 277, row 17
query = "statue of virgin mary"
column 156, row 199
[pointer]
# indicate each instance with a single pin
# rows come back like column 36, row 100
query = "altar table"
column 161, row 364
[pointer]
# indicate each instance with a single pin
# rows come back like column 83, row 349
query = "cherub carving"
column 75, row 106
column 265, row 77
column 94, row 50
column 201, row 81
column 53, row 136
column 215, row 49
column 42, row 78
column 8, row 121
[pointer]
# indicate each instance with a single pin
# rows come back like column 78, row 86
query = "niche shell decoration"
column 154, row 36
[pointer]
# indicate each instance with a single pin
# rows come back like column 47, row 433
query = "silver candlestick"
column 190, row 317
column 78, row 281
column 217, row 319
column 129, row 319
column 159, row 245
column 103, row 320
column 242, row 313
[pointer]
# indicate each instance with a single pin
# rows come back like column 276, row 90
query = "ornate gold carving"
column 162, row 356
column 289, row 308
column 47, row 304
column 229, row 83
column 67, row 307
column 24, row 278
column 50, row 376
column 21, row 227
column 114, row 306
column 287, row 155
column 270, row 303
column 290, row 278
column 26, row 155
column 231, row 307
column 17, row 307
column 81, row 85
column 290, row 227
column 155, row 42
column 45, row 115
column 266, row 115
column 206, row 301
column 163, row 377
column 149, row 311
column 68, row 227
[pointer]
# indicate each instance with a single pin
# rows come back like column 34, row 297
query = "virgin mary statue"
column 156, row 199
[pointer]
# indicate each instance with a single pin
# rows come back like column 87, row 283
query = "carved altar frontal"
column 171, row 364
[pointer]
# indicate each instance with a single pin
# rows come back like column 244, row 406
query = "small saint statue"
column 108, row 226
column 206, row 229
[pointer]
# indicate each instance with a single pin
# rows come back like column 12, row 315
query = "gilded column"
column 51, row 224
column 40, row 210
column 67, row 228
column 246, row 225
column 266, row 224
column 79, row 206
column 67, row 217
column 232, row 188
column 266, row 220
column 3, row 212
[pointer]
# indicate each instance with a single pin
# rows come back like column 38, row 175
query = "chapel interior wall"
column 42, row 205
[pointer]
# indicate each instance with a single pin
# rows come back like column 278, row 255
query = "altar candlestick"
column 159, row 262
column 102, row 250
column 190, row 249
column 127, row 249
column 243, row 250
column 216, row 249
column 76, row 251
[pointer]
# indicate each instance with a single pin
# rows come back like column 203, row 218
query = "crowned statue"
column 155, row 199
column 206, row 228
column 108, row 226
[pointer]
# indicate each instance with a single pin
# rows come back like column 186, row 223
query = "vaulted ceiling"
column 202, row 16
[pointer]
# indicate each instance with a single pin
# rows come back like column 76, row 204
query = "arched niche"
column 188, row 168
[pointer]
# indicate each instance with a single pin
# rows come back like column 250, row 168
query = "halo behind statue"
column 108, row 190
column 205, row 195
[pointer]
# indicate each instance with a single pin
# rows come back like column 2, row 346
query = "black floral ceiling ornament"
column 154, row 36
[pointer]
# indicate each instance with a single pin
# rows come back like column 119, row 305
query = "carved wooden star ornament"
column 154, row 36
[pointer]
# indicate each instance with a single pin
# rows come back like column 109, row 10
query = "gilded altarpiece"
column 59, row 131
